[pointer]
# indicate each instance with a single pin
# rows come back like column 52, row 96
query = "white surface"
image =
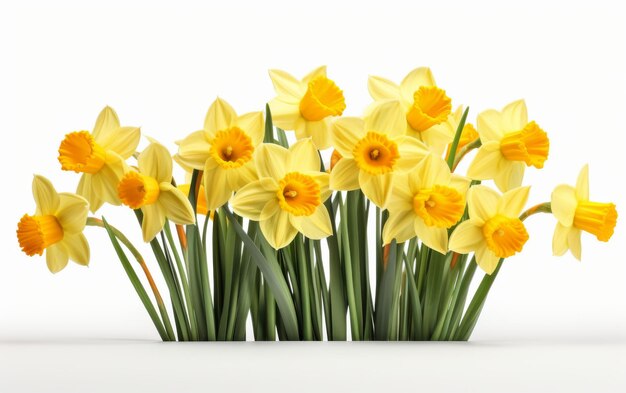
column 160, row 67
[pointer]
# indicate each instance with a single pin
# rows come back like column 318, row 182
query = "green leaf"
column 457, row 138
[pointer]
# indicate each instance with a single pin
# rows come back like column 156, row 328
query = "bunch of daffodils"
column 352, row 227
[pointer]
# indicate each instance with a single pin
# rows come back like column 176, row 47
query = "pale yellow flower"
column 100, row 156
column 224, row 150
column 427, row 108
column 509, row 144
column 289, row 196
column 57, row 227
column 494, row 229
column 150, row 189
column 575, row 212
column 306, row 106
column 373, row 150
column 425, row 203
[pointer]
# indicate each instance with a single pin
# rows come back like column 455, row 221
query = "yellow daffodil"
column 201, row 202
column 150, row 189
column 468, row 134
column 373, row 150
column 100, row 157
column 56, row 227
column 289, row 196
column 575, row 212
column 223, row 150
column 306, row 106
column 509, row 144
column 425, row 203
column 427, row 108
column 494, row 229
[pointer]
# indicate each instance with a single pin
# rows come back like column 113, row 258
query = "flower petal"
column 559, row 239
column 376, row 187
column 489, row 126
column 487, row 260
column 467, row 237
column 401, row 198
column 411, row 83
column 582, row 184
column 345, row 175
column 411, row 151
column 277, row 229
column 321, row 132
column 46, row 197
column 252, row 124
column 510, row 176
column 216, row 187
column 316, row 226
column 573, row 241
column 239, row 177
column 271, row 161
column 398, row 226
column 176, row 205
column 514, row 116
column 513, row 201
column 564, row 204
column 303, row 157
column 104, row 182
column 56, row 257
column 72, row 212
column 433, row 237
column 77, row 248
column 287, row 87
column 252, row 198
column 432, row 171
column 193, row 151
column 346, row 133
column 220, row 116
column 487, row 163
column 382, row 89
column 106, row 123
column 85, row 189
column 153, row 221
column 319, row 71
column 387, row 118
column 322, row 179
column 285, row 115
column 460, row 183
column 482, row 203
column 155, row 161
column 123, row 141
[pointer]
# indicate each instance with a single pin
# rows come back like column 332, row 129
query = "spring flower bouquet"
column 357, row 224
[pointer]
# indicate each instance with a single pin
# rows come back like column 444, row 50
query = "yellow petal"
column 122, row 141
column 72, row 213
column 220, row 116
column 487, row 260
column 285, row 115
column 239, row 177
column 252, row 124
column 489, row 126
column 513, row 201
column 482, row 203
column 320, row 132
column 510, row 176
column 582, row 184
column 487, row 163
column 277, row 229
column 347, row 131
column 77, row 248
column 411, row 151
column 316, row 226
column 433, row 237
column 573, row 241
column 303, row 157
column 345, row 175
column 271, row 161
column 104, row 182
column 387, row 118
column 460, row 183
column 216, row 186
column 155, row 161
column 176, row 205
column 398, row 226
column 46, row 197
column 376, row 187
column 382, row 89
column 564, row 204
column 559, row 239
column 252, row 198
column 85, row 190
column 323, row 180
column 433, row 170
column 418, row 77
column 467, row 237
column 106, row 123
column 287, row 87
column 153, row 221
column 319, row 71
column 401, row 198
column 514, row 116
column 56, row 257
column 193, row 151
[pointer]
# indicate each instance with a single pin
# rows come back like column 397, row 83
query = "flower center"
column 299, row 194
column 322, row 99
column 136, row 190
column 530, row 145
column 439, row 206
column 35, row 233
column 504, row 235
column 596, row 218
column 376, row 154
column 231, row 148
column 79, row 152
column 431, row 106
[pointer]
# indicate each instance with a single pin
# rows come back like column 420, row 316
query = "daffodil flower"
column 224, row 150
column 289, row 195
column 201, row 199
column 100, row 157
column 425, row 203
column 373, row 150
column 426, row 107
column 575, row 212
column 494, row 229
column 509, row 144
column 306, row 106
column 150, row 189
column 56, row 227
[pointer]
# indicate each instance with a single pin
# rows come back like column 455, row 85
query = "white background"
column 160, row 66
